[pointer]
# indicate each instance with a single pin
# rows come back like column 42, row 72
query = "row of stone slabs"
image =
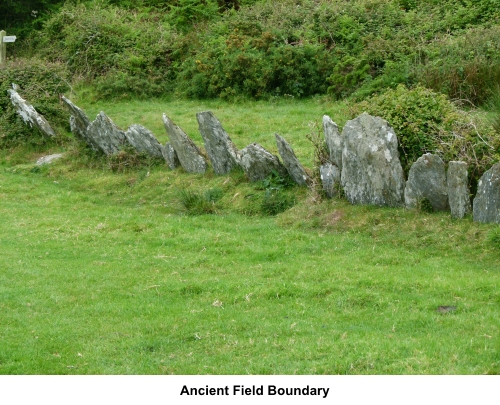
column 364, row 160
column 103, row 135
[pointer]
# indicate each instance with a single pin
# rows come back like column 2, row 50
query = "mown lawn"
column 102, row 272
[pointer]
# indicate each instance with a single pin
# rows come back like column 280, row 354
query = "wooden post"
column 3, row 48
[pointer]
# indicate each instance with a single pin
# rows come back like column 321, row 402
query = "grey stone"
column 79, row 123
column 106, row 135
column 427, row 180
column 371, row 170
column 258, row 163
column 188, row 153
column 333, row 140
column 45, row 160
column 29, row 115
column 220, row 149
column 486, row 205
column 170, row 156
column 330, row 179
column 291, row 163
column 458, row 189
column 143, row 140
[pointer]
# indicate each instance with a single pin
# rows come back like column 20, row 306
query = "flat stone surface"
column 291, row 163
column 221, row 151
column 45, row 160
column 79, row 122
column 170, row 156
column 371, row 170
column 187, row 152
column 330, row 179
column 458, row 189
column 427, row 180
column 106, row 135
column 333, row 139
column 29, row 115
column 486, row 205
column 258, row 163
column 143, row 140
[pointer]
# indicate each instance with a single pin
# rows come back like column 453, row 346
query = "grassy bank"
column 103, row 271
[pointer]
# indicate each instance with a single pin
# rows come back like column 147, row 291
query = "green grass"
column 103, row 273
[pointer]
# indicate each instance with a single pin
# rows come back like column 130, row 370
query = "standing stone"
column 170, row 156
column 106, row 135
column 292, row 164
column 333, row 140
column 29, row 115
column 258, row 163
column 486, row 206
column 143, row 140
column 427, row 180
column 220, row 149
column 458, row 190
column 371, row 171
column 330, row 179
column 79, row 122
column 188, row 153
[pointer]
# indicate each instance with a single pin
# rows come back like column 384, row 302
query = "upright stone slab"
column 220, row 149
column 458, row 189
column 371, row 170
column 143, row 140
column 106, row 135
column 258, row 163
column 29, row 115
column 291, row 163
column 170, row 156
column 188, row 153
column 486, row 205
column 333, row 140
column 427, row 180
column 79, row 122
column 330, row 179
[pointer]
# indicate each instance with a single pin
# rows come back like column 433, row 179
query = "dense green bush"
column 124, row 53
column 427, row 122
column 40, row 84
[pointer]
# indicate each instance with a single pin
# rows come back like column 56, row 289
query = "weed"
column 199, row 203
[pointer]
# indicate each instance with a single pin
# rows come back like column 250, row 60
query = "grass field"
column 103, row 272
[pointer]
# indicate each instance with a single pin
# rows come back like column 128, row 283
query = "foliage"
column 125, row 54
column 199, row 203
column 465, row 67
column 425, row 121
column 40, row 84
column 276, row 199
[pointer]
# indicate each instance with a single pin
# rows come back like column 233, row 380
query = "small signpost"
column 4, row 39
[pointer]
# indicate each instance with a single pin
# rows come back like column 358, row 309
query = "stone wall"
column 363, row 161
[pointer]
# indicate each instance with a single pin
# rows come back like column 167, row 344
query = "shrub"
column 40, row 84
column 199, row 203
column 426, row 121
column 126, row 53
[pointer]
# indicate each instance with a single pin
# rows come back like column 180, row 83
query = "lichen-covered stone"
column 187, row 152
column 45, row 160
column 106, row 135
column 427, row 181
column 486, row 205
column 291, row 163
column 221, row 151
column 170, row 156
column 143, row 140
column 371, row 170
column 79, row 122
column 333, row 139
column 458, row 189
column 29, row 115
column 258, row 163
column 330, row 179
